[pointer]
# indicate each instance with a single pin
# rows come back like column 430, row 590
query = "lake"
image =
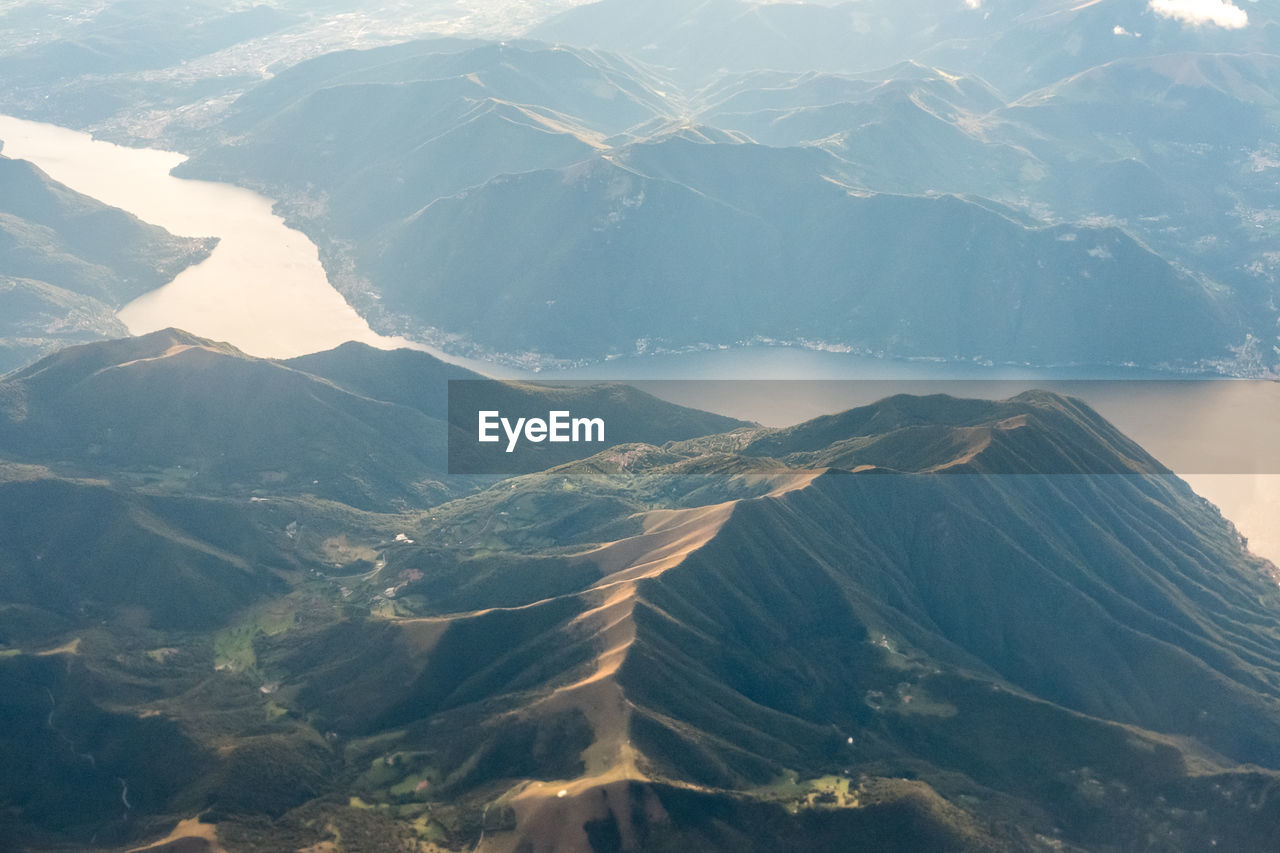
column 264, row 290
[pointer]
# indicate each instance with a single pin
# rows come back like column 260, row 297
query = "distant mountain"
column 1179, row 146
column 376, row 135
column 67, row 263
column 129, row 37
column 909, row 128
column 612, row 190
column 1027, row 46
column 56, row 234
column 679, row 244
column 40, row 318
column 697, row 42
column 1015, row 44
column 78, row 66
column 1153, row 143
column 606, row 93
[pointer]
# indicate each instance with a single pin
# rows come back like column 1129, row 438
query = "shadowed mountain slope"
column 1009, row 599
column 74, row 551
column 927, row 623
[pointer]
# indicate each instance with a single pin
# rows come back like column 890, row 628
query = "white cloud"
column 973, row 4
column 1223, row 13
column 1121, row 31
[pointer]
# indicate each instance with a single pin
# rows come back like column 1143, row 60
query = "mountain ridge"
column 849, row 629
column 650, row 619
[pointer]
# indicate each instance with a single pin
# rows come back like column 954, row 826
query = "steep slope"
column 68, row 262
column 927, row 623
column 376, row 135
column 975, row 617
column 1017, row 624
column 757, row 243
column 905, row 129
column 74, row 552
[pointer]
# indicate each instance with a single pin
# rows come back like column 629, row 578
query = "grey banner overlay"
column 1195, row 426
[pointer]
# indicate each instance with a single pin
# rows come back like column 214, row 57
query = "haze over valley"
column 263, row 265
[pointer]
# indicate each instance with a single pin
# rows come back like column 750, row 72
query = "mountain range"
column 256, row 604
column 910, row 211
column 183, row 414
column 1015, row 44
column 926, row 622
column 1015, row 123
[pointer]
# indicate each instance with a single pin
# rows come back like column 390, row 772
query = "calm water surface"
column 263, row 290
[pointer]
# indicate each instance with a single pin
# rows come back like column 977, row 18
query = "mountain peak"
column 76, row 363
column 1035, row 432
